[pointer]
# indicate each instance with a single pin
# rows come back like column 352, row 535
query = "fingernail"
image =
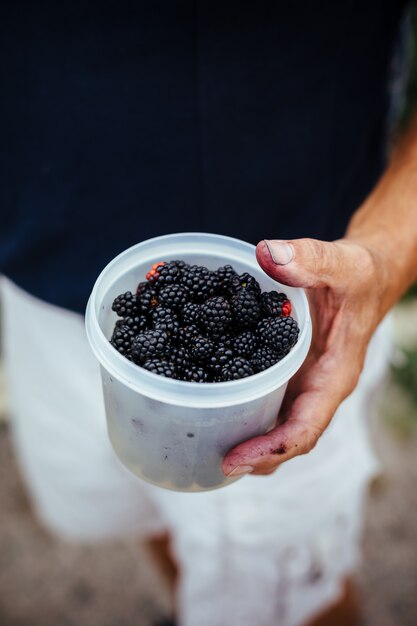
column 241, row 469
column 281, row 253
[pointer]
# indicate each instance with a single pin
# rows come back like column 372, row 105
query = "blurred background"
column 47, row 582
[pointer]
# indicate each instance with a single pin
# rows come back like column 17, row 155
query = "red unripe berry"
column 153, row 272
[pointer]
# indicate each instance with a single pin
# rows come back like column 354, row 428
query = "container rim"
column 183, row 393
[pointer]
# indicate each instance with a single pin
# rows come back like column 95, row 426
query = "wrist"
column 386, row 225
column 380, row 267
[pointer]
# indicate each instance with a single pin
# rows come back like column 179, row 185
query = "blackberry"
column 165, row 319
column 141, row 288
column 224, row 275
column 180, row 264
column 246, row 282
column 135, row 323
column 125, row 305
column 201, row 348
column 279, row 334
column 185, row 335
column 237, row 368
column 218, row 359
column 274, row 304
column 165, row 274
column 174, row 296
column 190, row 312
column 245, row 309
column 150, row 344
column 245, row 344
column 180, row 358
column 195, row 373
column 262, row 330
column 215, row 315
column 122, row 338
column 161, row 367
column 200, row 282
column 263, row 358
column 215, row 283
column 146, row 298
column 225, row 340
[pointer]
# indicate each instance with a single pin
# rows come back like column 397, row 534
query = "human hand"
column 346, row 284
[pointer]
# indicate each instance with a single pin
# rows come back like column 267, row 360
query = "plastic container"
column 173, row 433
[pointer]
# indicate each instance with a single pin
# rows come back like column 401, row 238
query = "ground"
column 47, row 582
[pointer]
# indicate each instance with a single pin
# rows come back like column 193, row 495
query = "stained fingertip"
column 264, row 258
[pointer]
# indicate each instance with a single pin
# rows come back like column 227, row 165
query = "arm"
column 351, row 284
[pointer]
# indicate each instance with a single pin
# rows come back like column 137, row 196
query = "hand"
column 346, row 287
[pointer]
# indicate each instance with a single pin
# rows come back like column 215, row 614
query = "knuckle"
column 351, row 377
column 351, row 381
column 310, row 436
column 317, row 251
column 324, row 258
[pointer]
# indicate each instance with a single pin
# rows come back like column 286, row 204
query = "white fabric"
column 265, row 550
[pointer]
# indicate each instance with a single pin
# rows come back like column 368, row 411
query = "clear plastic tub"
column 173, row 433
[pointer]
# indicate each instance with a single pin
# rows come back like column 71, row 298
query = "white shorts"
column 265, row 550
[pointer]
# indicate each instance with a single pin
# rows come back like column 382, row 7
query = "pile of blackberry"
column 190, row 323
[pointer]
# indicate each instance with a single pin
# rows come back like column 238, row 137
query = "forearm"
column 386, row 223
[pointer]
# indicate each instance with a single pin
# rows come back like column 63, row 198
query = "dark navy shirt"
column 121, row 121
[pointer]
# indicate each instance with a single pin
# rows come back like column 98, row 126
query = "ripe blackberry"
column 165, row 319
column 200, row 282
column 263, row 358
column 225, row 340
column 218, row 359
column 180, row 263
column 247, row 282
column 190, row 313
column 161, row 367
column 195, row 373
column 245, row 309
column 146, row 298
column 185, row 335
column 180, row 358
column 224, row 275
column 262, row 330
column 215, row 284
column 165, row 274
column 125, row 305
column 135, row 323
column 274, row 304
column 215, row 315
column 244, row 344
column 279, row 334
column 201, row 348
column 122, row 338
column 174, row 296
column 237, row 368
column 150, row 344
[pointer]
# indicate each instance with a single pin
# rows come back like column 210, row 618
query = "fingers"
column 309, row 262
column 306, row 418
column 298, row 435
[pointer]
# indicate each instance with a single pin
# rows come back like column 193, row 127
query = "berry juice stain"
column 281, row 450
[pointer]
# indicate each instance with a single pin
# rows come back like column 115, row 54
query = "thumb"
column 305, row 262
